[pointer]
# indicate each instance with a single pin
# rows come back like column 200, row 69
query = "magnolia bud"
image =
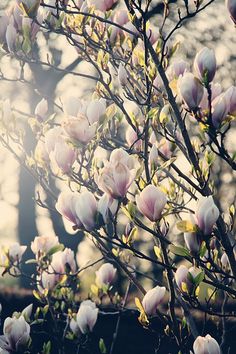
column 185, row 278
column 191, row 90
column 177, row 69
column 95, row 110
column 42, row 244
column 15, row 252
column 64, row 261
column 107, row 207
column 41, row 110
column 79, row 129
column 16, row 334
column 207, row 214
column 220, row 108
column 231, row 6
column 205, row 64
column 11, row 35
column 192, row 241
column 102, row 5
column 206, row 345
column 66, row 207
column 152, row 299
column 105, row 275
column 153, row 156
column 86, row 210
column 87, row 316
column 63, row 157
column 27, row 312
column 122, row 75
column 132, row 139
column 224, row 260
column 230, row 96
column 4, row 22
column 151, row 202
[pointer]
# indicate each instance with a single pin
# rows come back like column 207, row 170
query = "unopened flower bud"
column 151, row 202
column 122, row 75
column 220, row 108
column 231, row 6
column 191, row 90
column 152, row 299
column 206, row 345
column 41, row 110
column 192, row 241
column 230, row 96
column 105, row 275
column 205, row 65
column 207, row 214
column 87, row 316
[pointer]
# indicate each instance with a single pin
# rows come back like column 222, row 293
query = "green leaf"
column 55, row 249
column 179, row 251
column 199, row 278
column 102, row 346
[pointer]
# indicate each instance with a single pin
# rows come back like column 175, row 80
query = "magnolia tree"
column 137, row 162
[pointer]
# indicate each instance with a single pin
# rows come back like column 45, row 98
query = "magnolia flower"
column 11, row 36
column 224, row 260
column 132, row 139
column 42, row 244
column 152, row 299
column 153, row 156
column 115, row 180
column 64, row 261
column 192, row 241
column 102, row 5
column 62, row 157
column 107, row 206
column 207, row 214
column 230, row 96
column 220, row 108
column 41, row 110
column 15, row 252
column 215, row 92
column 66, row 207
column 79, row 208
column 79, row 129
column 105, row 275
column 48, row 280
column 205, row 64
column 121, row 17
column 185, row 277
column 27, row 312
column 151, row 202
column 52, row 136
column 4, row 22
column 191, row 90
column 95, row 110
column 86, row 210
column 122, row 75
column 177, row 69
column 86, row 317
column 231, row 6
column 16, row 334
column 206, row 345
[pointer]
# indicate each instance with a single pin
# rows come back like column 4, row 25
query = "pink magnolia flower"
column 215, row 92
column 206, row 345
column 11, row 36
column 184, row 278
column 41, row 110
column 105, row 275
column 192, row 241
column 132, row 139
column 220, row 109
column 66, row 207
column 115, row 180
column 86, row 317
column 177, row 69
column 63, row 156
column 16, row 334
column 122, row 75
column 151, row 202
column 95, row 110
column 207, row 214
column 152, row 299
column 64, row 261
column 230, row 96
column 79, row 129
column 102, row 5
column 86, row 210
column 42, row 244
column 107, row 206
column 231, row 6
column 205, row 64
column 191, row 90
